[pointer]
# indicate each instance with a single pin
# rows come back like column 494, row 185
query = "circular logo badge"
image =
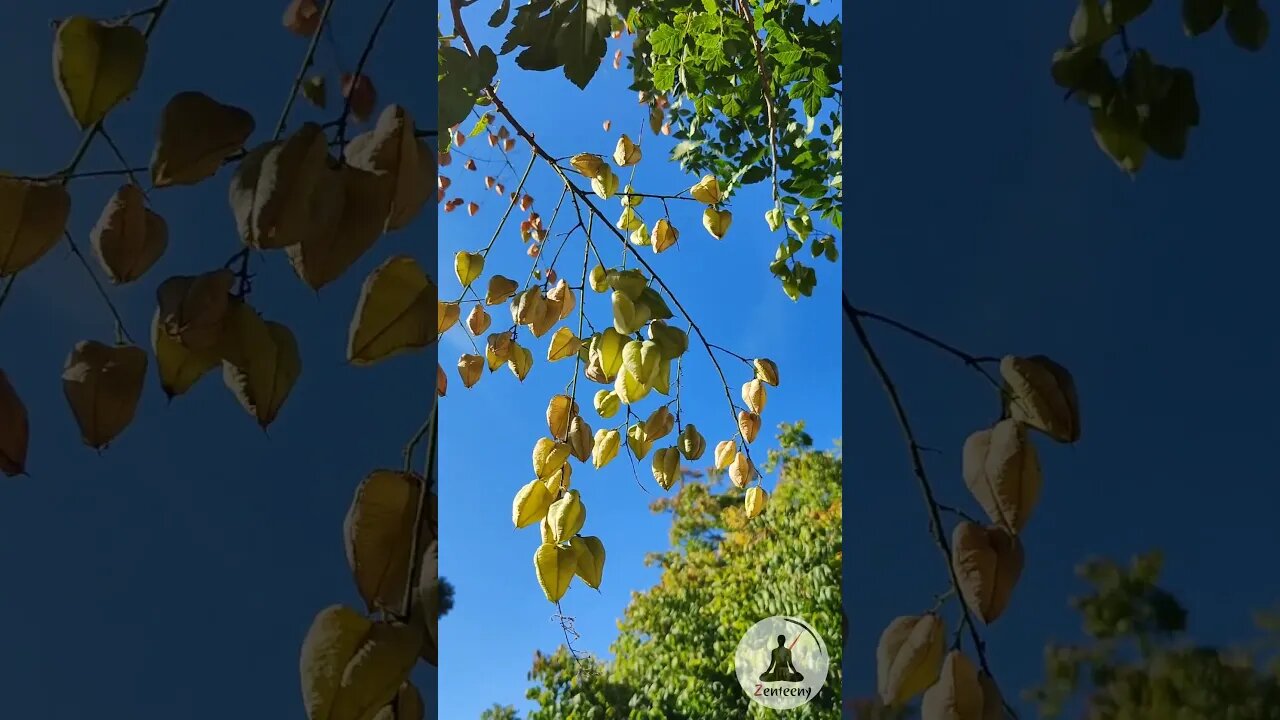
column 781, row 662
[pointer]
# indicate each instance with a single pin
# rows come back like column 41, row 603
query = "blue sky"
column 175, row 575
column 983, row 212
column 487, row 434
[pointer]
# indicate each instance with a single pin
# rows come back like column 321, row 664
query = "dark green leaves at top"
column 499, row 16
column 1198, row 16
column 461, row 80
column 1248, row 25
column 569, row 34
column 1119, row 12
column 1089, row 26
column 1172, row 114
column 1118, row 131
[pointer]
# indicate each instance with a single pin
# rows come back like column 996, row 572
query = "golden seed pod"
column 637, row 441
column 548, row 456
column 909, row 657
column 726, row 451
column 988, row 562
column 500, row 288
column 691, row 443
column 748, row 425
column 478, row 320
column 666, row 467
column 520, row 362
column 559, row 480
column 564, row 344
column 672, row 341
column 607, row 444
column 528, row 307
column 598, row 280
column 566, row 516
column 628, row 282
column 707, row 190
column 442, row 380
column 766, row 370
column 555, row 567
column 605, row 184
column 1042, row 394
column 741, row 471
column 446, row 315
column 629, row 389
column 642, row 359
column 469, row 369
column 561, row 296
column 958, row 693
column 530, row 504
column 755, row 501
column 754, row 396
column 717, row 222
column 468, row 266
column 590, row 564
column 606, row 403
column 498, row 349
column 580, row 439
column 626, row 153
column 664, row 235
column 659, row 423
column 559, row 410
column 629, row 198
column 587, row 164
column 628, row 316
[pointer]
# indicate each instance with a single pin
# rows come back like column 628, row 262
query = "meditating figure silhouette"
column 780, row 667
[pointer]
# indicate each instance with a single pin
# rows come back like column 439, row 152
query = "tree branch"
column 855, row 317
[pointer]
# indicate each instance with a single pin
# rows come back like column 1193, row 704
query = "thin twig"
column 84, row 262
column 579, row 194
column 357, row 73
column 926, row 488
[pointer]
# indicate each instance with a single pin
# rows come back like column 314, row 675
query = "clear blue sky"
column 488, row 432
column 983, row 212
column 175, row 575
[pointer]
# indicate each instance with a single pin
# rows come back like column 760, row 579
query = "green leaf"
column 754, row 174
column 462, row 79
column 1248, row 25
column 1199, row 16
column 1120, row 12
column 1117, row 132
column 1089, row 25
column 665, row 40
column 499, row 16
column 481, row 125
column 569, row 34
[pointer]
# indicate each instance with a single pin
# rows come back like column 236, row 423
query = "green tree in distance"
column 722, row 574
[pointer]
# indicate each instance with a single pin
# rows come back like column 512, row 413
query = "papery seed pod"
column 726, row 451
column 691, row 443
column 530, row 504
column 607, row 403
column 748, row 425
column 605, row 447
column 566, row 516
column 1042, row 394
column 957, row 695
column 717, row 222
column 754, row 396
column 766, row 370
column 599, row 279
column 559, row 410
column 520, row 361
column 741, row 471
column 666, row 467
column 988, row 562
column 548, row 456
column 446, row 316
column 639, row 444
column 664, row 235
column 580, row 439
column 469, row 369
column 706, row 190
column 626, row 153
column 605, row 184
column 909, row 657
column 478, row 320
column 659, row 423
column 755, row 501
column 587, row 164
column 500, row 288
